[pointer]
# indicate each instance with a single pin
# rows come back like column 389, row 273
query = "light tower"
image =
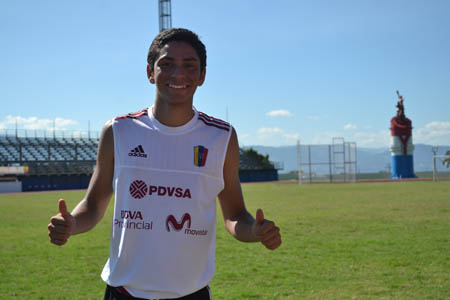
column 402, row 147
column 165, row 15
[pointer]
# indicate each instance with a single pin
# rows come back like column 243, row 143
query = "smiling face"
column 176, row 73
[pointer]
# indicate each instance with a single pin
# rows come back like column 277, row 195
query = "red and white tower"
column 402, row 147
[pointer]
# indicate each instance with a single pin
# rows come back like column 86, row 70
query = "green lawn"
column 341, row 241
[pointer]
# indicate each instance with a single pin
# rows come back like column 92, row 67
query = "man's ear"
column 150, row 76
column 202, row 77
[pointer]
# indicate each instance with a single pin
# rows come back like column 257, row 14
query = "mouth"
column 177, row 86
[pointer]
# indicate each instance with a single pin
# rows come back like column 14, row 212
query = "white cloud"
column 434, row 133
column 362, row 138
column 35, row 123
column 325, row 137
column 371, row 139
column 266, row 134
column 243, row 138
column 350, row 126
column 279, row 113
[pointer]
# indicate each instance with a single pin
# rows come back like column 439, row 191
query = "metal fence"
column 40, row 133
column 440, row 169
column 336, row 162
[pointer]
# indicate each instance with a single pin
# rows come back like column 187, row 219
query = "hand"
column 266, row 231
column 61, row 225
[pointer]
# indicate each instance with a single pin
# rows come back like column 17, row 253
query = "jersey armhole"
column 227, row 144
column 116, row 150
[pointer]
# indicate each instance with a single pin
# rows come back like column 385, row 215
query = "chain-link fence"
column 327, row 163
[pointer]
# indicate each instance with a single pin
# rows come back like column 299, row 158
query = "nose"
column 178, row 71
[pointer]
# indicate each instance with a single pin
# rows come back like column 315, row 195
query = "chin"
column 180, row 101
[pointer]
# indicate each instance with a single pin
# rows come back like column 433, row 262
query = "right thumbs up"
column 61, row 225
column 63, row 208
column 259, row 216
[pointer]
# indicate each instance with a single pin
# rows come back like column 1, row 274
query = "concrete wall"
column 258, row 175
column 10, row 186
column 54, row 182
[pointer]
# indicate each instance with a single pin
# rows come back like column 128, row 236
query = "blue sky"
column 283, row 70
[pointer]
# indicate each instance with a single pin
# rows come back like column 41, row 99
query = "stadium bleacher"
column 49, row 155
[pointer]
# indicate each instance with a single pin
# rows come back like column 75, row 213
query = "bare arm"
column 238, row 221
column 92, row 207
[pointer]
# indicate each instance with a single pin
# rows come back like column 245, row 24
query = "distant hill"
column 369, row 160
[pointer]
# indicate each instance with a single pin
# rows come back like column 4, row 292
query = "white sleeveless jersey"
column 166, row 180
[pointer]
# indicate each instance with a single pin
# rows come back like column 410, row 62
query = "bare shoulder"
column 100, row 187
column 232, row 157
column 231, row 165
column 233, row 137
column 107, row 132
column 105, row 151
column 107, row 137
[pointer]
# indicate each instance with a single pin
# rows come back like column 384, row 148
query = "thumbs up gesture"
column 61, row 225
column 266, row 231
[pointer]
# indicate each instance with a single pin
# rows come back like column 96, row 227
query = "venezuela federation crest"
column 200, row 155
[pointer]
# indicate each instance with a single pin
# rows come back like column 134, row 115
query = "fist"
column 61, row 225
column 266, row 231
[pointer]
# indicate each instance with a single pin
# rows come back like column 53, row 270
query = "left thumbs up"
column 266, row 231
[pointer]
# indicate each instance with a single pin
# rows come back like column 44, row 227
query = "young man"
column 166, row 165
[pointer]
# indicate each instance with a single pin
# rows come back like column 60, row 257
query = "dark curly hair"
column 177, row 35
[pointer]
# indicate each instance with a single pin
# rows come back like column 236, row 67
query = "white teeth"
column 177, row 86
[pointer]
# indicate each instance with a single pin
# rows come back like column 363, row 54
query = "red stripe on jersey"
column 123, row 291
column 221, row 122
column 209, row 123
column 135, row 115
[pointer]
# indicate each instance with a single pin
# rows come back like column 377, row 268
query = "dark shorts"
column 113, row 293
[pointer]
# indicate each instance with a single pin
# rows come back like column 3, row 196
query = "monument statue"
column 400, row 107
column 401, row 118
column 401, row 143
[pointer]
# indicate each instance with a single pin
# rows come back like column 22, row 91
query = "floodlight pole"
column 434, row 150
column 165, row 15
column 299, row 163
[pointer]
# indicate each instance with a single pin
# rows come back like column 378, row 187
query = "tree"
column 446, row 161
column 252, row 160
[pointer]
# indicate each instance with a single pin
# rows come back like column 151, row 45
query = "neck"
column 173, row 115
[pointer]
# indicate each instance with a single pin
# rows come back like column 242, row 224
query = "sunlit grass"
column 342, row 241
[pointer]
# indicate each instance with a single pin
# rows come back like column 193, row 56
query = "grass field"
column 342, row 241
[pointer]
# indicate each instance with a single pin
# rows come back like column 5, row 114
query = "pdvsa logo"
column 174, row 224
column 139, row 189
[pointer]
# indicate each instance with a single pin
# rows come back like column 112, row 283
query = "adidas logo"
column 138, row 152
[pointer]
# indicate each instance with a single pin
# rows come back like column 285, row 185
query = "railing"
column 40, row 133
